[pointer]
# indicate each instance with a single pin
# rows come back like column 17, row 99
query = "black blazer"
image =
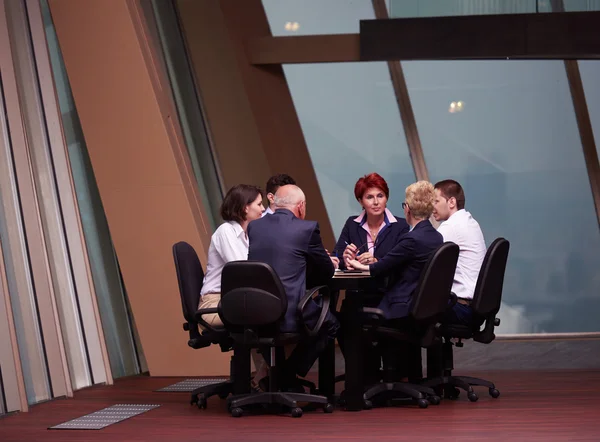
column 353, row 233
column 291, row 246
column 405, row 263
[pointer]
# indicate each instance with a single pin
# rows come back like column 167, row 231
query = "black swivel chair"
column 430, row 301
column 190, row 277
column 253, row 304
column 485, row 305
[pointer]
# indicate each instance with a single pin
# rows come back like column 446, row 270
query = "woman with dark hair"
column 370, row 235
column 242, row 204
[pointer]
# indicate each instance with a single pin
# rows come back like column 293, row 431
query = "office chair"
column 190, row 277
column 430, row 301
column 485, row 305
column 253, row 304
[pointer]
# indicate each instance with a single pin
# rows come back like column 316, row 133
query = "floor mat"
column 188, row 385
column 105, row 417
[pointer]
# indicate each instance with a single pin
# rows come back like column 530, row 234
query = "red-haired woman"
column 372, row 234
column 367, row 238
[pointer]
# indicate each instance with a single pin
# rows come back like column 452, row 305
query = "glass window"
column 590, row 75
column 188, row 103
column 348, row 111
column 109, row 291
column 309, row 17
column 506, row 130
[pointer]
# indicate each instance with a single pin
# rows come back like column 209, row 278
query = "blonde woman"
column 406, row 261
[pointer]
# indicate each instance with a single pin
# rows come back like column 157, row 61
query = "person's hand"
column 353, row 263
column 366, row 258
column 336, row 262
column 350, row 252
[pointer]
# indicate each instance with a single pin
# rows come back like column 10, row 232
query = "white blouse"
column 228, row 243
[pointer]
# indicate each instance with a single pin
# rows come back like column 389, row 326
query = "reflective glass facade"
column 506, row 130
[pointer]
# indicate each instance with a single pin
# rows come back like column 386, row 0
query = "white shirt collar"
column 239, row 231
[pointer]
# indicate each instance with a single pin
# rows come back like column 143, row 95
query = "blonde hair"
column 420, row 197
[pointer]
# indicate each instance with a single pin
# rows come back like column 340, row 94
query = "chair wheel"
column 494, row 393
column 472, row 396
column 422, row 403
column 237, row 412
column 297, row 412
column 328, row 408
column 368, row 404
column 451, row 393
column 194, row 400
column 434, row 400
column 202, row 403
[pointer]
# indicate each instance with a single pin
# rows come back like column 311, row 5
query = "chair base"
column 200, row 395
column 450, row 384
column 421, row 393
column 308, row 384
column 290, row 400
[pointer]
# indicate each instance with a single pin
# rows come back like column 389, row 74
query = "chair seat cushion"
column 457, row 331
column 394, row 333
column 271, row 341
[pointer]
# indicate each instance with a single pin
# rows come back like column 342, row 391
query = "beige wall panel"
column 137, row 162
column 235, row 136
column 252, row 118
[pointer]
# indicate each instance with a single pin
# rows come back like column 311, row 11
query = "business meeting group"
column 379, row 259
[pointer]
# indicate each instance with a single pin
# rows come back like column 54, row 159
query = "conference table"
column 352, row 282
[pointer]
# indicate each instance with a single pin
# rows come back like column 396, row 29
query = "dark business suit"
column 372, row 291
column 404, row 263
column 291, row 246
column 354, row 233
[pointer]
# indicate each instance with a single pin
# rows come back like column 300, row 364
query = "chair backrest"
column 252, row 297
column 430, row 299
column 190, row 277
column 488, row 291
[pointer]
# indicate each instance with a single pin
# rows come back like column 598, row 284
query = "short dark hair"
column 451, row 189
column 236, row 200
column 276, row 181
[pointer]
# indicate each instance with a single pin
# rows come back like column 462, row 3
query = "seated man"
column 461, row 228
column 273, row 185
column 404, row 264
column 291, row 245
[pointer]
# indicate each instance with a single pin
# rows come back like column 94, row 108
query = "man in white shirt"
column 462, row 229
column 273, row 184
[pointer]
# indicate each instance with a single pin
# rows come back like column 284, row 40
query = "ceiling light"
column 292, row 26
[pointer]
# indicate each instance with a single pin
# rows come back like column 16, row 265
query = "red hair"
column 368, row 181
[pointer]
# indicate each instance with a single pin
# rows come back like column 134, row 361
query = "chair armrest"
column 206, row 311
column 326, row 296
column 374, row 317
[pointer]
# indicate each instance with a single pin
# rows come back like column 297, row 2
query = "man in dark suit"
column 293, row 247
column 404, row 264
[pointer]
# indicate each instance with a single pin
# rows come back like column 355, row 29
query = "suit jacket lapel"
column 381, row 237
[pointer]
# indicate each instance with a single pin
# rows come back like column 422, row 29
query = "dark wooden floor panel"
column 544, row 406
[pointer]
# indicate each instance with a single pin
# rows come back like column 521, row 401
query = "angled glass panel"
column 105, row 271
column 506, row 130
column 590, row 76
column 18, row 272
column 348, row 111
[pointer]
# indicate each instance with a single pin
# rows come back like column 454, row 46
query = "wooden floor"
column 544, row 406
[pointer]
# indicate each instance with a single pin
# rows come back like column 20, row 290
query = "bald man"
column 293, row 247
